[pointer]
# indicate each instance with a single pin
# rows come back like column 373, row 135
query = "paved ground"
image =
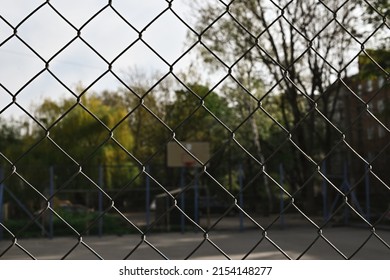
column 293, row 239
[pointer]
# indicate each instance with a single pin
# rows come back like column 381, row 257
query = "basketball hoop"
column 187, row 160
column 189, row 164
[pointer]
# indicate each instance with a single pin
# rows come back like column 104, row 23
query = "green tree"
column 194, row 112
column 9, row 135
column 378, row 10
column 145, row 101
column 376, row 16
column 296, row 50
column 87, row 134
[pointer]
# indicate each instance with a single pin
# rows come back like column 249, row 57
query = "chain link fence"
column 288, row 100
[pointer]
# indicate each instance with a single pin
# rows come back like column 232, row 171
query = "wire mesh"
column 298, row 133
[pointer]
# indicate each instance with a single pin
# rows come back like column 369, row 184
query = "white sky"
column 46, row 32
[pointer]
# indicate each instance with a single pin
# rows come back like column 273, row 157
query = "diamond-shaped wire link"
column 298, row 143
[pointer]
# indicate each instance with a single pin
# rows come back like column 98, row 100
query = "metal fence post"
column 324, row 193
column 281, row 202
column 1, row 202
column 182, row 199
column 196, row 197
column 51, row 193
column 367, row 188
column 100, row 201
column 147, row 196
column 241, row 199
column 345, row 189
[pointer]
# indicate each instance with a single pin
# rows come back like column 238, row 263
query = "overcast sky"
column 47, row 33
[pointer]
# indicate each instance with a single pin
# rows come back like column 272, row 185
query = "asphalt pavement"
column 295, row 241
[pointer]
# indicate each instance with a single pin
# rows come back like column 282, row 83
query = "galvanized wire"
column 289, row 132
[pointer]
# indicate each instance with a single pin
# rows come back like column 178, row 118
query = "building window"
column 370, row 156
column 359, row 89
column 381, row 82
column 337, row 116
column 370, row 133
column 380, row 105
column 381, row 131
column 369, row 85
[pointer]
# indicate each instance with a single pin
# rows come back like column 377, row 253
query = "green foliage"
column 276, row 78
column 88, row 134
column 10, row 136
column 380, row 10
column 370, row 66
column 191, row 114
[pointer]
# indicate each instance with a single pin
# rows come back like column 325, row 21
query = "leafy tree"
column 190, row 114
column 378, row 10
column 296, row 49
column 9, row 135
column 87, row 134
column 376, row 16
column 13, row 134
column 145, row 100
column 195, row 114
column 368, row 65
column 160, row 108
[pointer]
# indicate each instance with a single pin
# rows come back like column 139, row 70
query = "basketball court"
column 294, row 238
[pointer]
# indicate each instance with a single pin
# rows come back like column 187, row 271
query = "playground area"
column 154, row 206
column 295, row 239
column 255, row 130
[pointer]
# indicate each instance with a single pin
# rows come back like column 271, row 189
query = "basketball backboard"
column 179, row 157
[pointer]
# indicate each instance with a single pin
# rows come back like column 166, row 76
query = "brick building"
column 362, row 113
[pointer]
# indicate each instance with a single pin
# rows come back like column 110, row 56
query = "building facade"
column 362, row 113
